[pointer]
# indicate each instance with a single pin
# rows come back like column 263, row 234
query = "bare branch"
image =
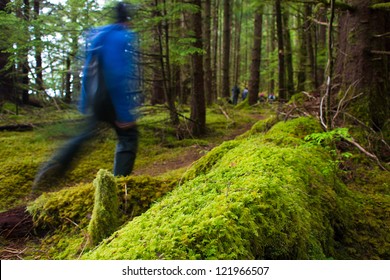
column 370, row 155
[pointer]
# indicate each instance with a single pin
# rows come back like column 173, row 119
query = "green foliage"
column 381, row 6
column 328, row 140
column 105, row 214
column 329, row 137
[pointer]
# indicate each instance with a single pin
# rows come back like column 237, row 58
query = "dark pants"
column 125, row 153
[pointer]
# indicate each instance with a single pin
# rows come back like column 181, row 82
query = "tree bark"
column 288, row 55
column 165, row 67
column 302, row 56
column 226, row 50
column 207, row 56
column 310, row 49
column 215, row 69
column 271, row 48
column 38, row 48
column 198, row 104
column 25, row 68
column 281, row 68
column 254, row 81
column 237, row 43
column 330, row 68
column 362, row 31
column 158, row 94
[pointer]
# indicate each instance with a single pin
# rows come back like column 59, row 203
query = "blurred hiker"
column 235, row 93
column 244, row 93
column 110, row 94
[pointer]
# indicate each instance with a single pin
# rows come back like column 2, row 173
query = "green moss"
column 205, row 164
column 67, row 213
column 54, row 210
column 105, row 214
column 251, row 199
column 381, row 6
column 267, row 194
column 261, row 126
column 299, row 98
column 21, row 154
column 57, row 209
column 293, row 131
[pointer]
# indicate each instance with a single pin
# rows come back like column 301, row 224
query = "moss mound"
column 105, row 214
column 265, row 197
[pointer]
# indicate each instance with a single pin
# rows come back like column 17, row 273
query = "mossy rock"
column 250, row 199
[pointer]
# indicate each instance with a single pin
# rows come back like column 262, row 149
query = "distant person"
column 114, row 48
column 244, row 93
column 262, row 98
column 271, row 98
column 235, row 94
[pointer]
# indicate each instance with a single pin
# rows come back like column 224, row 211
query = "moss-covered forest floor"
column 254, row 187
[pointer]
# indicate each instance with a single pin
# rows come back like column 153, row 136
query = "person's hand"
column 125, row 125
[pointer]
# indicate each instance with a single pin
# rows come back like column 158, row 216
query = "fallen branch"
column 364, row 151
column 224, row 113
column 368, row 128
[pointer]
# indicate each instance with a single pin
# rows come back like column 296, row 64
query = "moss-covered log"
column 268, row 196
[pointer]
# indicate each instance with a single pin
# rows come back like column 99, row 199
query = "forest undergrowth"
column 276, row 188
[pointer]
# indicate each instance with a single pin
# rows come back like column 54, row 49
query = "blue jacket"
column 117, row 47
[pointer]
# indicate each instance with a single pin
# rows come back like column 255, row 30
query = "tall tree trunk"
column 281, row 68
column 158, row 94
column 207, row 56
column 288, row 55
column 271, row 48
column 6, row 81
column 198, row 104
column 215, row 70
column 68, row 93
column 302, row 56
column 328, row 94
column 226, row 50
column 363, row 61
column 38, row 49
column 321, row 42
column 254, row 81
column 165, row 67
column 237, row 43
column 310, row 47
column 25, row 66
